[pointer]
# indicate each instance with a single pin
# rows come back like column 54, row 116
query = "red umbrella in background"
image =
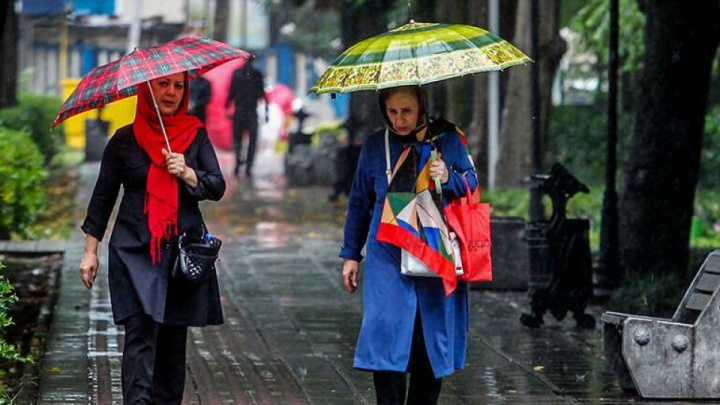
column 283, row 97
column 219, row 124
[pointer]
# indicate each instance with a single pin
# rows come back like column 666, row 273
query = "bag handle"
column 388, row 171
column 438, row 184
column 468, row 199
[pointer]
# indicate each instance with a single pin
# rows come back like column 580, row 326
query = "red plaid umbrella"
column 119, row 79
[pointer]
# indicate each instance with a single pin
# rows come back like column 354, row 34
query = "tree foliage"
column 313, row 32
column 592, row 22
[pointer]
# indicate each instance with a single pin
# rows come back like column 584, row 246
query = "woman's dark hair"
column 387, row 92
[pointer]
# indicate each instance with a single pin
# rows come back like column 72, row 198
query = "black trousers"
column 153, row 363
column 391, row 386
column 239, row 127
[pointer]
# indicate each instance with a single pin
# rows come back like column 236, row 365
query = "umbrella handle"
column 157, row 110
column 438, row 184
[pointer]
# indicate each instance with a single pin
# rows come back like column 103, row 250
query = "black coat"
column 136, row 285
column 246, row 90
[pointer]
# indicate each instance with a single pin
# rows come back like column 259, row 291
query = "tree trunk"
column 661, row 173
column 8, row 53
column 477, row 128
column 459, row 94
column 360, row 22
column 477, row 132
column 438, row 92
column 515, row 162
column 453, row 99
column 220, row 23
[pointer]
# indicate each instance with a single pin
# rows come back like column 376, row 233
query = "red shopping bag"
column 470, row 220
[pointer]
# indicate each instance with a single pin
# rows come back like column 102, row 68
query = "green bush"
column 656, row 294
column 22, row 196
column 707, row 215
column 649, row 294
column 508, row 202
column 35, row 114
column 516, row 202
column 710, row 161
column 9, row 353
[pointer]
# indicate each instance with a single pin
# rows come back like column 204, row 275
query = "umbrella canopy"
column 417, row 54
column 119, row 79
column 282, row 95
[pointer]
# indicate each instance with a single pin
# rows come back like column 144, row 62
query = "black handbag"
column 195, row 257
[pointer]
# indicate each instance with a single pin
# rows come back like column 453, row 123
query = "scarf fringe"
column 162, row 216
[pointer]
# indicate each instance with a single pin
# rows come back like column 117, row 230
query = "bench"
column 671, row 358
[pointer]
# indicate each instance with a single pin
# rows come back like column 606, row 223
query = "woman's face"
column 403, row 111
column 169, row 91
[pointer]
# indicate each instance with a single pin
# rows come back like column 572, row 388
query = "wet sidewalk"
column 290, row 328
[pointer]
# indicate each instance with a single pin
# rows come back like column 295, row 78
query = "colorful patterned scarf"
column 413, row 216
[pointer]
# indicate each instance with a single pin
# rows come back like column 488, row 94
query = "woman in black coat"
column 161, row 191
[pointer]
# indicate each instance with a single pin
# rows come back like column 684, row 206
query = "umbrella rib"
column 157, row 110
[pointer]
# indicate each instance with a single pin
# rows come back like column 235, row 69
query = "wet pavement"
column 290, row 328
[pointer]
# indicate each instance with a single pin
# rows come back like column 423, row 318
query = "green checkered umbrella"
column 119, row 79
column 417, row 54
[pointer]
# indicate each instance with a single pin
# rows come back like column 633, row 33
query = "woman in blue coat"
column 160, row 199
column 410, row 326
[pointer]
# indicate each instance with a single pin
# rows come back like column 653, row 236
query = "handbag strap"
column 388, row 171
column 469, row 194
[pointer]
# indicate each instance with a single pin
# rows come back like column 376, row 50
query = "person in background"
column 409, row 325
column 346, row 161
column 200, row 94
column 246, row 90
column 161, row 192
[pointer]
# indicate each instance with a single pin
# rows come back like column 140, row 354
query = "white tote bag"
column 412, row 266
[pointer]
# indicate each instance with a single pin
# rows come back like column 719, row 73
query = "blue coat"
column 391, row 299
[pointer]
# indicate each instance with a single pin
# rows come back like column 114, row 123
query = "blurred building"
column 65, row 39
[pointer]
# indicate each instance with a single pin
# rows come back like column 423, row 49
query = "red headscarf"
column 161, row 200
